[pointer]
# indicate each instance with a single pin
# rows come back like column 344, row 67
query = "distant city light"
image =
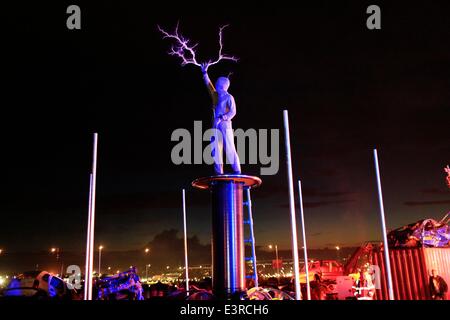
column 100, row 248
column 337, row 248
column 147, row 250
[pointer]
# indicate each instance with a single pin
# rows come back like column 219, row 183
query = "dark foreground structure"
column 411, row 269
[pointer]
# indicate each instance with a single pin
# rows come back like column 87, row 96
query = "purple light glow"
column 183, row 48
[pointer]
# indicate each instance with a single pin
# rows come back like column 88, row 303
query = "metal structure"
column 121, row 286
column 91, row 225
column 292, row 205
column 411, row 270
column 251, row 239
column 186, row 264
column 305, row 247
column 383, row 228
column 228, row 257
column 100, row 248
column 87, row 272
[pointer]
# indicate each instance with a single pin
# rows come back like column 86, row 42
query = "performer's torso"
column 221, row 104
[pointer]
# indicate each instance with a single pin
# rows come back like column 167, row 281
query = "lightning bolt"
column 184, row 50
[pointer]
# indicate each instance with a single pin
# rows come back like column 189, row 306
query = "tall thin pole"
column 277, row 262
column 305, row 250
column 94, row 185
column 383, row 226
column 99, row 261
column 91, row 223
column 186, row 264
column 87, row 274
column 62, row 268
column 292, row 206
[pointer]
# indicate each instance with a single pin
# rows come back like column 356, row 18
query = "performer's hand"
column 204, row 67
column 224, row 117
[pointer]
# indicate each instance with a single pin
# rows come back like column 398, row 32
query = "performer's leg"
column 218, row 151
column 230, row 149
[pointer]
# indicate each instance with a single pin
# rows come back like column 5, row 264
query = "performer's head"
column 222, row 83
column 434, row 273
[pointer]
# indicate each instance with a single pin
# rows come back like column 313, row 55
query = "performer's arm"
column 231, row 109
column 208, row 82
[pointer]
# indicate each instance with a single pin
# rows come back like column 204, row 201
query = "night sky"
column 348, row 89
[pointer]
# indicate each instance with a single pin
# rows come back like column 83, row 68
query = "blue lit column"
column 228, row 255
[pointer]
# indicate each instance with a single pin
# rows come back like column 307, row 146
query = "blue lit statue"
column 224, row 108
column 223, row 103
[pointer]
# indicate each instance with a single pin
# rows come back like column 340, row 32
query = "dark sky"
column 348, row 89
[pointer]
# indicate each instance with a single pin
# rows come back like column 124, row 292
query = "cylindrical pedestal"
column 228, row 255
column 228, row 237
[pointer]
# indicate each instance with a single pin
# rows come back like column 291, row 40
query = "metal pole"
column 305, row 250
column 62, row 268
column 94, row 186
column 276, row 258
column 383, row 226
column 292, row 206
column 92, row 218
column 99, row 261
column 87, row 274
column 186, row 265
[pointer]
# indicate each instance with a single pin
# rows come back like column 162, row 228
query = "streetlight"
column 58, row 251
column 100, row 248
column 147, row 250
column 276, row 257
column 1, row 251
column 146, row 271
column 338, row 249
